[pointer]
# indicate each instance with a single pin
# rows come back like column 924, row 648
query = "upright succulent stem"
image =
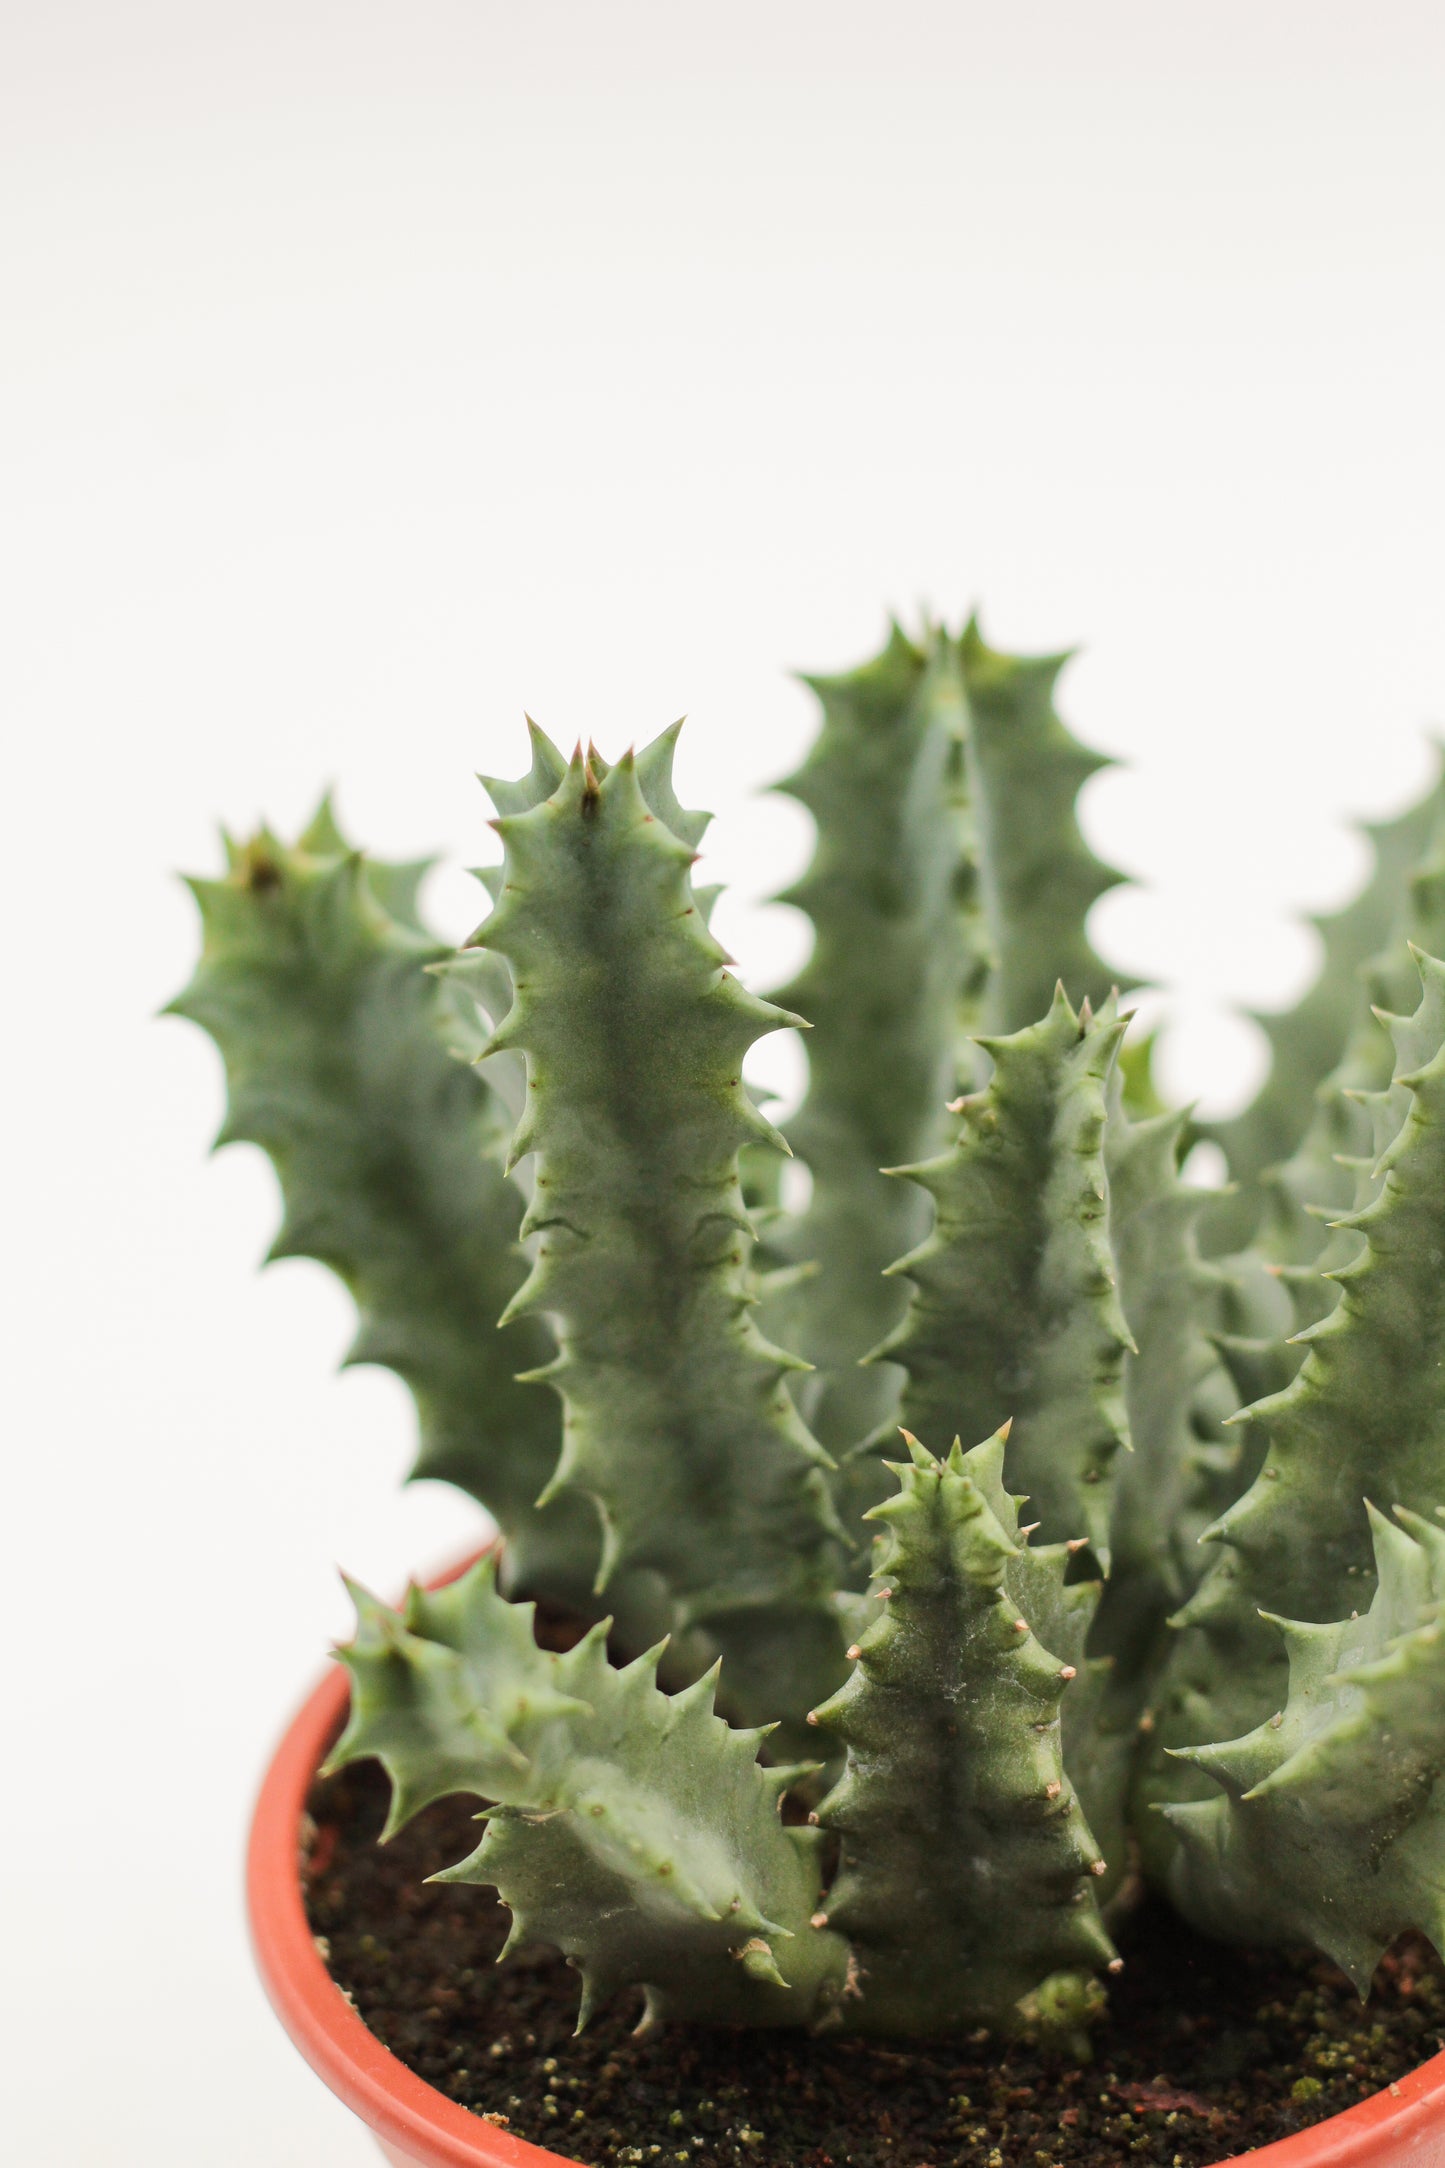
column 1181, row 1470
column 1015, row 1315
column 888, row 893
column 948, row 894
column 954, row 1810
column 677, row 1421
column 1037, row 875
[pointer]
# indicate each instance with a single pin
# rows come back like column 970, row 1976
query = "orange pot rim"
column 1392, row 2129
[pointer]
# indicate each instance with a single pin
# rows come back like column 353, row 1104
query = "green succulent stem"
column 389, row 1151
column 633, row 1830
column 889, row 894
column 1332, row 1170
column 1015, row 1315
column 677, row 1423
column 954, row 1811
column 1183, row 1466
column 1329, row 1823
column 1363, row 1418
column 948, row 894
column 1308, row 1043
column 1038, row 878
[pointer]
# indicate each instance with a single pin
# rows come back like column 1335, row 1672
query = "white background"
column 374, row 372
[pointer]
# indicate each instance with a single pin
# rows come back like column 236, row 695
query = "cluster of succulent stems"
column 1009, row 1528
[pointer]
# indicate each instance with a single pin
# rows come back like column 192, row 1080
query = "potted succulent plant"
column 836, row 1743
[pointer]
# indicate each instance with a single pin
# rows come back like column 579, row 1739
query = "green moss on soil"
column 1206, row 2052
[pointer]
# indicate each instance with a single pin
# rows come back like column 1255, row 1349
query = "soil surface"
column 1206, row 2051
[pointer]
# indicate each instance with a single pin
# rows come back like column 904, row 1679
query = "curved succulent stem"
column 389, row 1154
column 1331, row 1824
column 1364, row 1417
column 632, row 1829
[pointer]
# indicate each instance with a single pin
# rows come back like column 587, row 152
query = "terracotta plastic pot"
column 418, row 2127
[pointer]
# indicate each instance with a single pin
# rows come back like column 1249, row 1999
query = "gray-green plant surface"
column 982, row 1538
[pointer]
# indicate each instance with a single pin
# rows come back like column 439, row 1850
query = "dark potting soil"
column 1206, row 2051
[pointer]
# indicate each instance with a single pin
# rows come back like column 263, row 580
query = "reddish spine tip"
column 1068, row 1671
